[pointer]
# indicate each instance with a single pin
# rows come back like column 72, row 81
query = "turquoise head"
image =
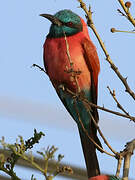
column 64, row 21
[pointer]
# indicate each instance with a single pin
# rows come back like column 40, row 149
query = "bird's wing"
column 92, row 61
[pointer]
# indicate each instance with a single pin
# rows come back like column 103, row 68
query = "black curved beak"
column 52, row 18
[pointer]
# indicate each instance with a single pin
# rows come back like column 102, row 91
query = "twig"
column 35, row 165
column 71, row 70
column 99, row 107
column 113, row 30
column 119, row 11
column 10, row 173
column 132, row 118
column 126, row 166
column 78, row 93
column 98, row 128
column 109, row 60
column 86, row 132
column 126, row 10
column 115, row 99
column 67, row 51
column 127, row 153
column 101, row 134
column 119, row 166
column 41, row 69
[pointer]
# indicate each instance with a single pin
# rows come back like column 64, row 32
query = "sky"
column 27, row 98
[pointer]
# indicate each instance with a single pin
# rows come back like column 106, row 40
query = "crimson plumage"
column 79, row 45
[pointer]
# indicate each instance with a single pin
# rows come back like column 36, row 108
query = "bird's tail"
column 89, row 151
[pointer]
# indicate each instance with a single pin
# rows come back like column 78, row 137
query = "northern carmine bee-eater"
column 72, row 63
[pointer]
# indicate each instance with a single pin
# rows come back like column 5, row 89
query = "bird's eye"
column 70, row 24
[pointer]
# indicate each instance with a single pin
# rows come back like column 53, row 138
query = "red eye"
column 70, row 24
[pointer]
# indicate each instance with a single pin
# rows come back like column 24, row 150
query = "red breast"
column 57, row 62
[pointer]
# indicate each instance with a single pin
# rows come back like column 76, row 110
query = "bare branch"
column 99, row 107
column 132, row 118
column 108, row 58
column 119, row 11
column 101, row 134
column 74, row 75
column 126, row 10
column 41, row 69
column 113, row 30
column 115, row 99
column 86, row 132
column 119, row 165
column 127, row 153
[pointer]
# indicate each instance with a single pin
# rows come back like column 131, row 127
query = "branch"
column 108, row 58
column 101, row 134
column 98, row 107
column 122, row 14
column 18, row 150
column 9, row 172
column 127, row 153
column 115, row 99
column 75, row 78
column 126, row 10
column 41, row 69
column 113, row 30
column 119, row 165
column 71, row 70
column 132, row 118
column 86, row 132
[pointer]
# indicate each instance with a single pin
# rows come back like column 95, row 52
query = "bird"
column 104, row 177
column 72, row 64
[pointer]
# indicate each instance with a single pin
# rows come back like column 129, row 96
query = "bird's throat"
column 61, row 31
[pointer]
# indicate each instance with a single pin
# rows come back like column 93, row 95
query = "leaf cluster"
column 18, row 151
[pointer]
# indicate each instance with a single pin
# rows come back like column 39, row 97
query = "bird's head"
column 64, row 21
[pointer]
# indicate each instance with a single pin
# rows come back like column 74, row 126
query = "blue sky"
column 27, row 98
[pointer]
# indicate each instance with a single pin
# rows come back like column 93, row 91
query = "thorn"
column 89, row 8
column 114, row 93
column 122, row 14
column 33, row 65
